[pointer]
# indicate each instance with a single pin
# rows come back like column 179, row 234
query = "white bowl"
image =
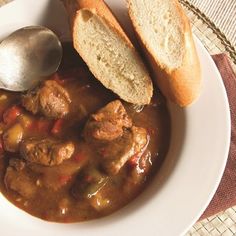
column 193, row 167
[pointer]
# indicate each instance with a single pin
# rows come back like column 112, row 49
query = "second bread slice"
column 165, row 35
column 109, row 54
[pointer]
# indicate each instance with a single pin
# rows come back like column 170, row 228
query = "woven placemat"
column 222, row 13
column 211, row 36
column 224, row 223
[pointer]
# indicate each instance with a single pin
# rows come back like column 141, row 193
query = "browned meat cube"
column 115, row 154
column 51, row 100
column 55, row 177
column 48, row 152
column 17, row 164
column 108, row 123
column 18, row 179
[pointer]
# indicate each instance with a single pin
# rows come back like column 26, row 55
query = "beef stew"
column 72, row 151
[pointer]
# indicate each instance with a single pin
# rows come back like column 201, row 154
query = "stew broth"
column 56, row 197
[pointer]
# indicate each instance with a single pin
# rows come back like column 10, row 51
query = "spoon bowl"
column 28, row 56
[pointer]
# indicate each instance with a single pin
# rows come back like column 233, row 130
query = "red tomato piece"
column 78, row 157
column 33, row 126
column 57, row 126
column 1, row 146
column 1, row 112
column 10, row 115
column 133, row 161
column 64, row 179
column 43, row 126
column 88, row 178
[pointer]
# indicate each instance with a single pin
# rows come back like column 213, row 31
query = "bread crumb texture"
column 162, row 26
column 111, row 59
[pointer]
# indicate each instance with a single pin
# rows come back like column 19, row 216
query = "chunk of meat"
column 18, row 178
column 108, row 123
column 115, row 154
column 55, row 177
column 51, row 100
column 48, row 152
column 17, row 164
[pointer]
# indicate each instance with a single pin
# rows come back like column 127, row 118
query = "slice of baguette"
column 109, row 54
column 164, row 33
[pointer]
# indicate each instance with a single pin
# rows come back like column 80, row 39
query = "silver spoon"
column 27, row 56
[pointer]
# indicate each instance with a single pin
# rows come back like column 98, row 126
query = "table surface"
column 214, row 22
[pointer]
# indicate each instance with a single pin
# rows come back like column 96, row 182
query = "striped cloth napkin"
column 225, row 196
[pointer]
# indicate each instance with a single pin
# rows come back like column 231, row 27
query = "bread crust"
column 100, row 8
column 183, row 84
